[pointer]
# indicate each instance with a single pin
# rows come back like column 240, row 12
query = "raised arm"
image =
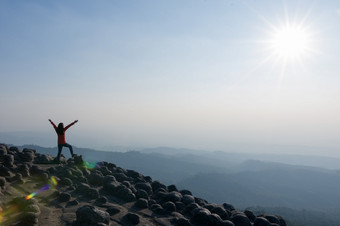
column 55, row 127
column 71, row 124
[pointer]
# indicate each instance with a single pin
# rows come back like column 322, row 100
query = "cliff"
column 36, row 191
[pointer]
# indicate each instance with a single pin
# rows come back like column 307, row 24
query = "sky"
column 208, row 75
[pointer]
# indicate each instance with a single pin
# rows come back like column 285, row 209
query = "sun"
column 290, row 41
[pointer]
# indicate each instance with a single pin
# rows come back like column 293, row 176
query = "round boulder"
column 92, row 215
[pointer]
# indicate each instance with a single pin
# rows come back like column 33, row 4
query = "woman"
column 61, row 137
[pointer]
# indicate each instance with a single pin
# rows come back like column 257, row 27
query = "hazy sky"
column 196, row 74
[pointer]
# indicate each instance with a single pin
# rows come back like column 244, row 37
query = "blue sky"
column 196, row 74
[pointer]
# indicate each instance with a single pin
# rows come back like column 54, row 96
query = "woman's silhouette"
column 60, row 130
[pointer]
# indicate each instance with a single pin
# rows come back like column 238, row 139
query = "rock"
column 111, row 187
column 27, row 156
column 142, row 203
column 272, row 219
column 112, row 210
column 169, row 206
column 2, row 182
column 132, row 218
column 250, row 215
column 200, row 216
column 173, row 197
column 240, row 220
column 44, row 159
column 37, row 170
column 228, row 206
column 157, row 185
column 102, row 200
column 3, row 150
column 120, row 177
column 180, row 206
column 127, row 184
column 85, row 171
column 95, row 179
column 92, row 193
column 221, row 212
column 33, row 209
column 91, row 215
column 8, row 160
column 181, row 222
column 109, row 178
column 144, row 186
column 134, row 174
column 24, row 169
column 72, row 203
column 188, row 199
column 200, row 201
column 28, row 218
column 105, row 171
column 125, row 194
column 66, row 181
column 172, row 188
column 142, row 194
column 156, row 208
column 191, row 207
column 227, row 223
column 64, row 197
column 4, row 171
column 261, row 221
column 148, row 179
column 186, row 192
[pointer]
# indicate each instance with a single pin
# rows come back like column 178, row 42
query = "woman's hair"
column 60, row 128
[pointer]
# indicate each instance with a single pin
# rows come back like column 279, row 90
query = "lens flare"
column 92, row 165
column 52, row 184
column 31, row 195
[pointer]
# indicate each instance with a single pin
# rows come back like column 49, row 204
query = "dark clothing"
column 60, row 148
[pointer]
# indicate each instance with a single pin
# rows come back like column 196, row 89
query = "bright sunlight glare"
column 290, row 41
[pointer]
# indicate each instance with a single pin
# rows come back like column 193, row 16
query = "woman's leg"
column 60, row 147
column 70, row 147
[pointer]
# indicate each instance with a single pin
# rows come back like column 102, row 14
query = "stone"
column 142, row 203
column 102, row 200
column 157, row 185
column 28, row 218
column 185, row 192
column 181, row 222
column 112, row 210
column 169, row 206
column 261, row 221
column 91, row 215
column 250, row 215
column 132, row 218
column 156, row 208
column 2, row 182
column 172, row 188
column 241, row 220
column 33, row 208
column 228, row 206
column 221, row 212
column 188, row 199
column 144, row 186
column 142, row 194
column 64, row 197
column 72, row 203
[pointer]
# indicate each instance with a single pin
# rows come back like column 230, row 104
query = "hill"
column 35, row 191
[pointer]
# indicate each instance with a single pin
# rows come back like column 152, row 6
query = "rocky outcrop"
column 109, row 195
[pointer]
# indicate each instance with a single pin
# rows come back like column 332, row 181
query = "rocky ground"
column 80, row 193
